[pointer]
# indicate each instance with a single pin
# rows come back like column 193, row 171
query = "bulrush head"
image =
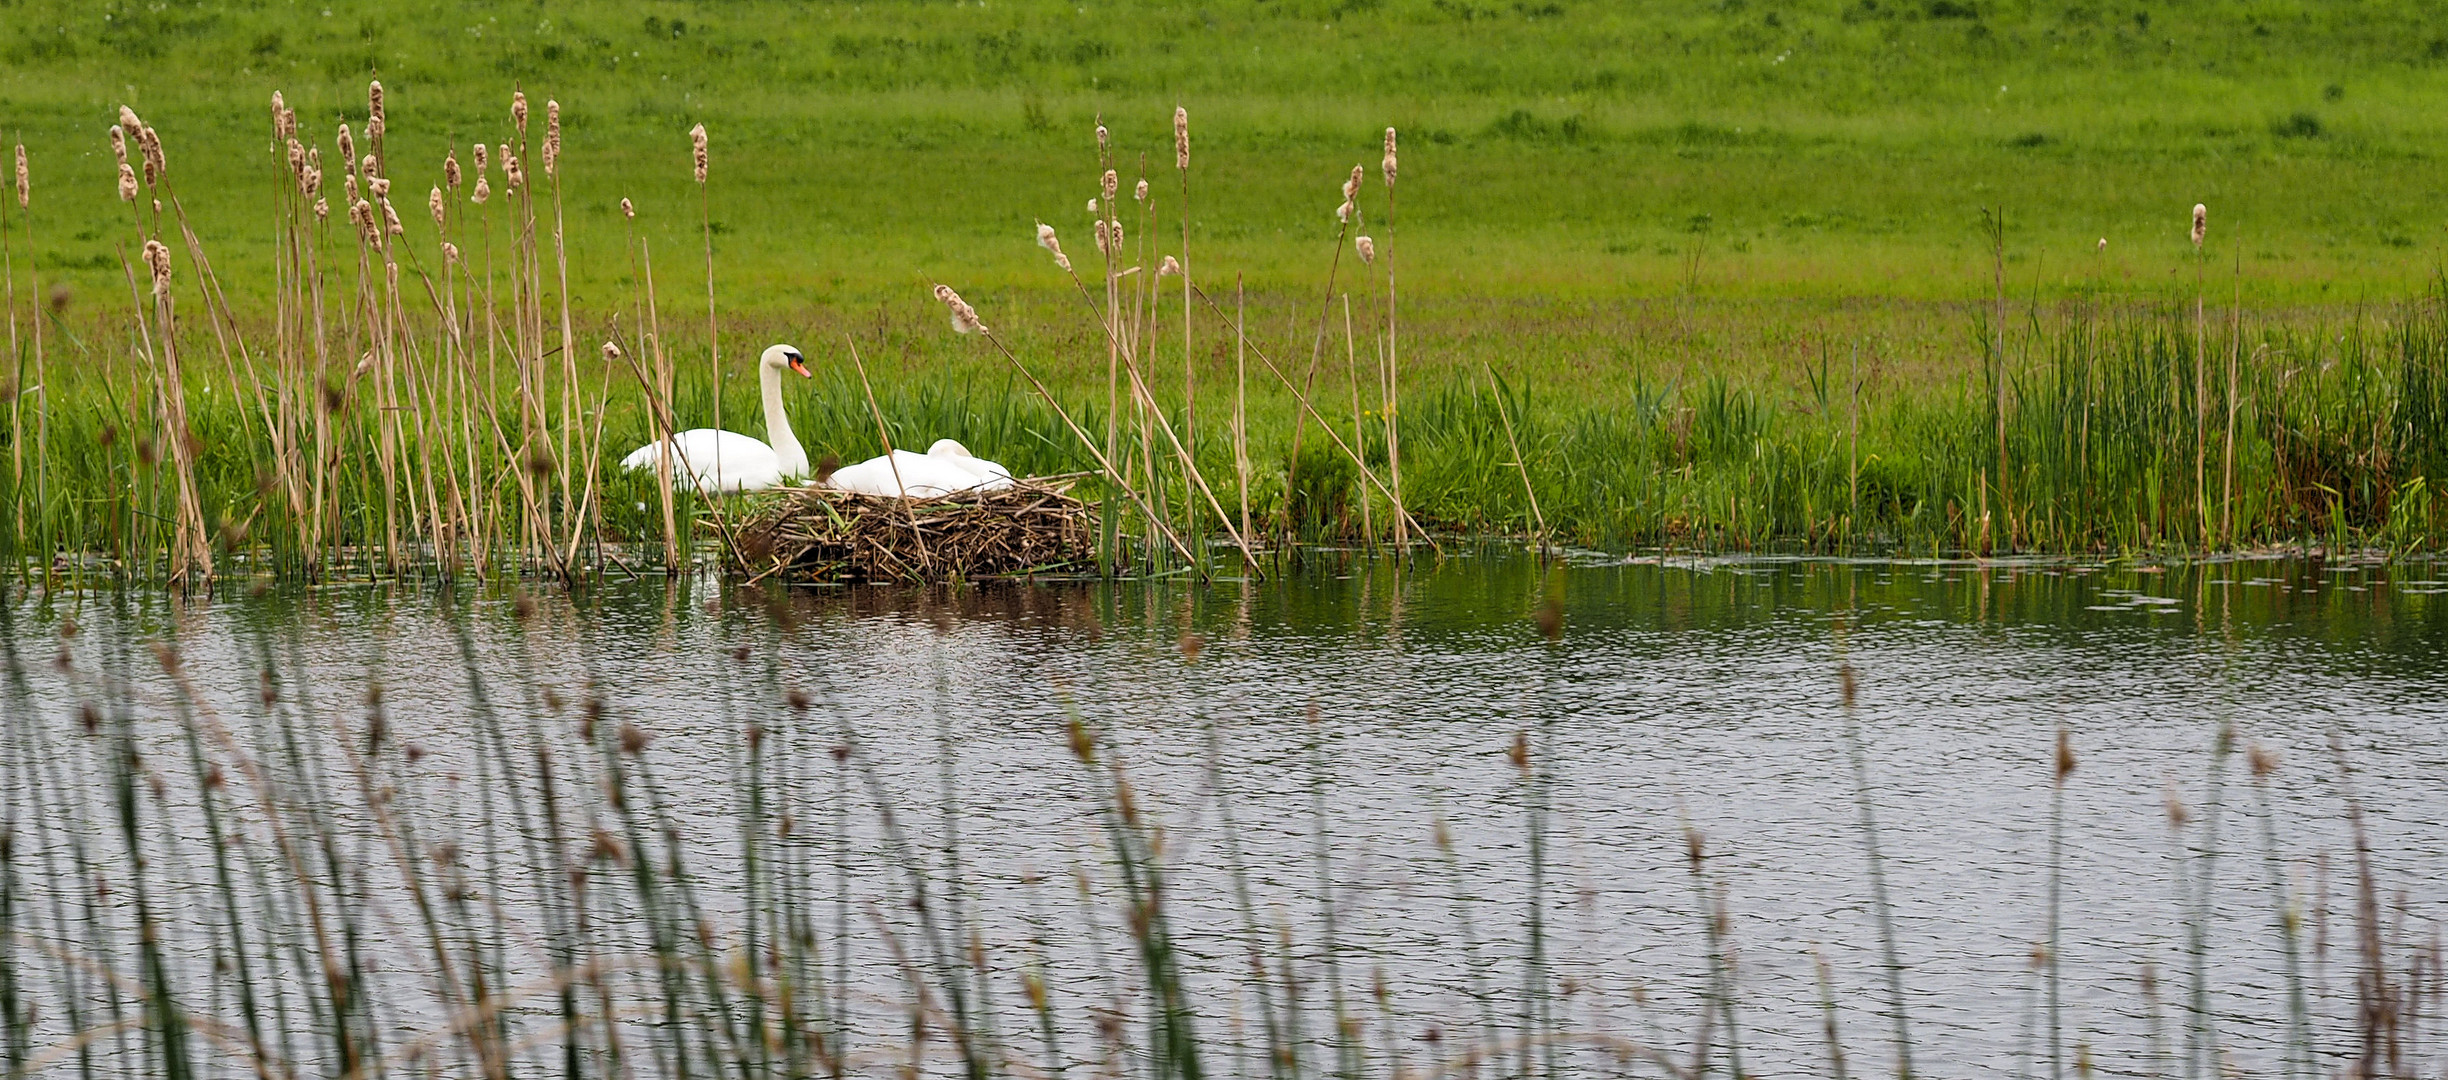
column 118, row 141
column 1140, row 192
column 374, row 101
column 157, row 258
column 2065, row 755
column 322, row 209
column 477, row 155
column 2263, row 760
column 697, row 151
column 1387, row 166
column 1168, row 267
column 1046, row 240
column 552, row 137
column 280, row 112
column 1367, row 249
column 1110, row 185
column 628, row 211
column 450, row 169
column 2201, row 223
column 370, row 166
column 127, row 182
column 348, row 146
column 482, row 191
column 149, row 143
column 2103, row 245
column 1092, row 204
column 433, row 202
column 450, row 253
column 511, row 169
column 1181, row 138
column 25, row 182
column 964, row 317
column 380, row 186
column 1103, row 238
column 1351, row 187
column 2177, row 812
column 1103, row 139
column 611, row 352
column 518, row 110
column 501, row 158
column 128, row 122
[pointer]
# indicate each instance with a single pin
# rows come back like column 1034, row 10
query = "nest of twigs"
column 818, row 534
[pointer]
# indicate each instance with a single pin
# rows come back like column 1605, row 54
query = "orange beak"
column 801, row 368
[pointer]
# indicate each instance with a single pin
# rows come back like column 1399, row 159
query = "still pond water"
column 1680, row 695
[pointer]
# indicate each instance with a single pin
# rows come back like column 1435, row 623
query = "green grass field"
column 1828, row 149
column 1670, row 229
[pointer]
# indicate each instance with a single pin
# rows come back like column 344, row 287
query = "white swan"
column 712, row 460
column 945, row 469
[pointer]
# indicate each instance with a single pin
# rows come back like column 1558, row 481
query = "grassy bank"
column 1749, row 306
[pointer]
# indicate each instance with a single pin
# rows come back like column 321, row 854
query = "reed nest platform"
column 818, row 534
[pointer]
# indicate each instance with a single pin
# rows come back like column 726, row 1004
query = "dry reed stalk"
column 17, row 383
column 2235, row 348
column 1181, row 168
column 2201, row 386
column 1519, row 463
column 1346, row 216
column 962, row 315
column 1311, row 411
column 1240, row 422
column 586, row 448
column 1189, row 466
column 1393, row 363
column 1351, row 370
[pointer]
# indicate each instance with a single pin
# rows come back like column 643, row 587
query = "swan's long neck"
column 777, row 424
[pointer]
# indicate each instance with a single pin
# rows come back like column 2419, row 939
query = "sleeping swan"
column 946, row 468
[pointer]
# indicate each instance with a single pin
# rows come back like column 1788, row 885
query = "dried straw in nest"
column 818, row 534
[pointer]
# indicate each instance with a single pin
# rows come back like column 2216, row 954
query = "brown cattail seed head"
column 369, row 165
column 157, row 257
column 1343, row 213
column 322, row 210
column 348, row 187
column 1046, row 240
column 2103, row 244
column 127, row 182
column 433, row 202
column 628, row 211
column 1111, row 184
column 1103, row 238
column 374, row 134
column 2177, row 814
column 632, row 739
column 2065, row 755
column 1117, row 236
column 1367, row 249
column 611, row 352
column 1351, row 187
column 374, row 100
column 1140, row 192
column 25, row 182
column 280, row 110
column 128, row 121
column 501, row 157
column 348, row 146
column 1181, row 138
column 1092, row 204
column 118, row 141
column 450, row 252
column 697, row 151
column 482, row 192
column 2201, row 224
column 2264, row 760
column 380, row 186
column 511, row 169
column 964, row 317
column 1387, row 166
column 518, row 110
column 1168, row 267
column 1695, row 845
column 156, row 166
column 297, row 159
column 477, row 154
column 1518, row 752
column 1103, row 140
column 552, row 137
column 450, row 169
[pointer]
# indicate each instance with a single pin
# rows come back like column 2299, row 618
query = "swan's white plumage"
column 710, row 460
column 706, row 459
column 919, row 476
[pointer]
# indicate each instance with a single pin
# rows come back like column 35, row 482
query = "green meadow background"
column 1802, row 149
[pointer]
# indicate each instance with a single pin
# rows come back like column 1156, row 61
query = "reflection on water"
column 1370, row 705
